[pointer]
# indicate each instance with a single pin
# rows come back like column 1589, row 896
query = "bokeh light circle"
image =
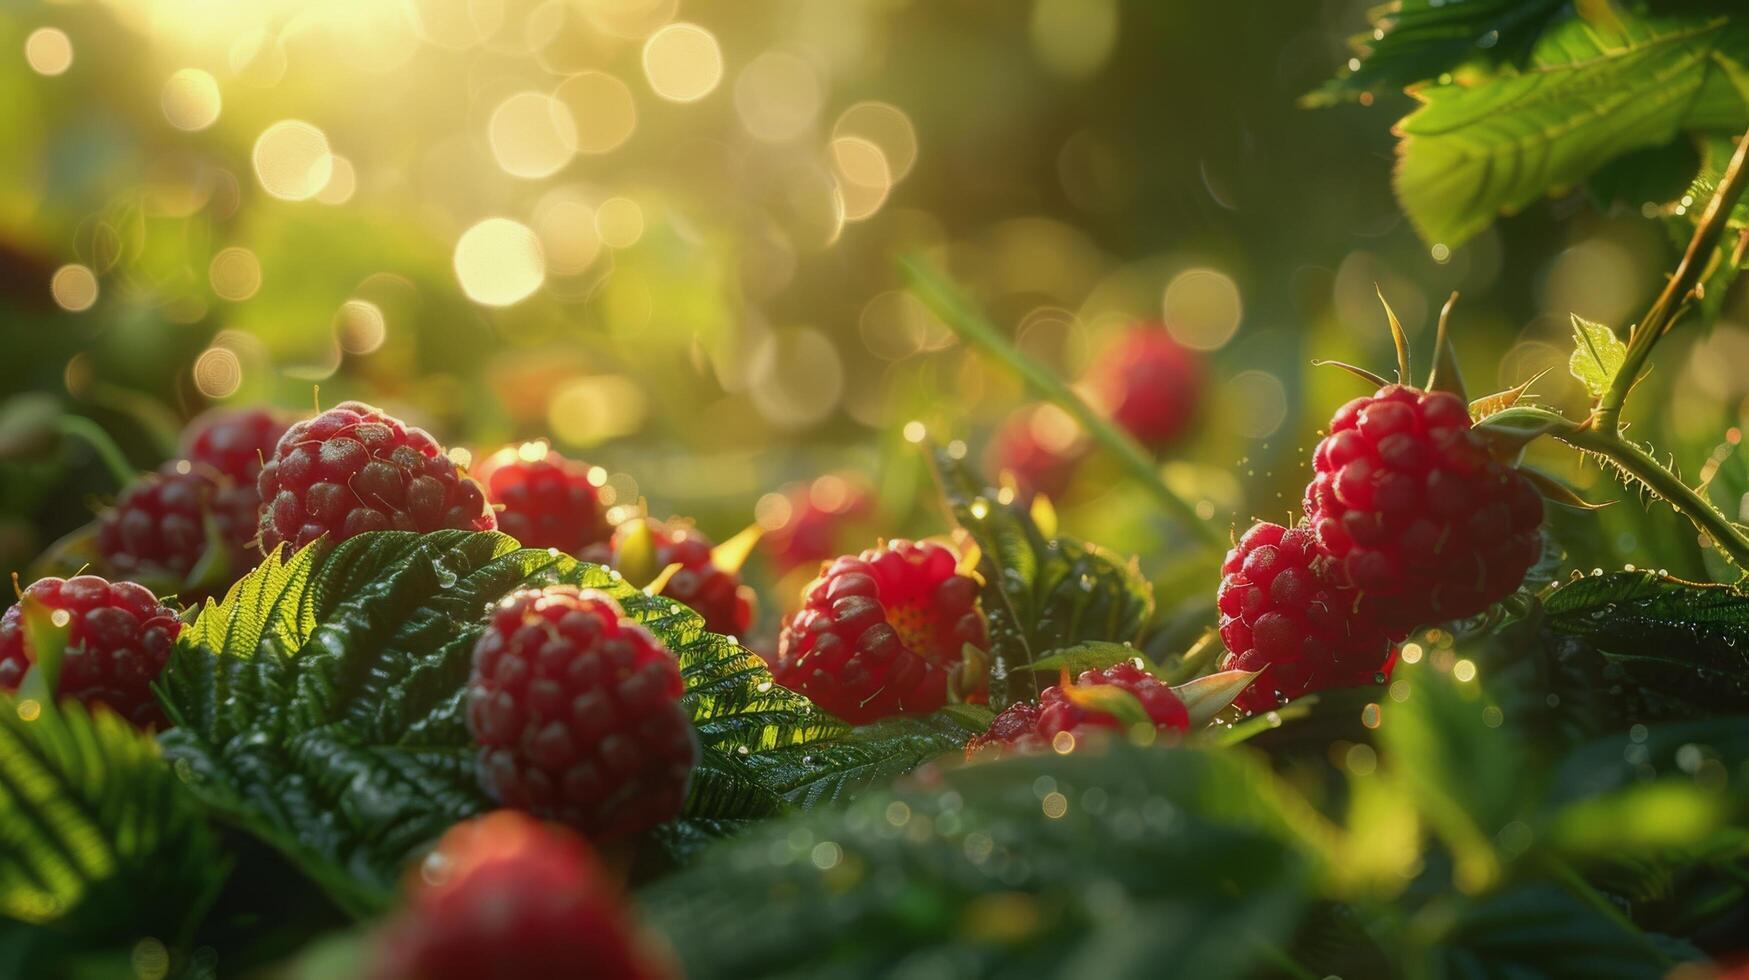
column 48, row 51
column 74, row 288
column 360, row 327
column 602, row 110
column 218, row 372
column 864, row 177
column 235, row 274
column 532, row 135
column 1202, row 308
column 887, row 127
column 777, row 96
column 292, row 160
column 620, row 222
column 683, row 62
column 191, row 100
column 499, row 262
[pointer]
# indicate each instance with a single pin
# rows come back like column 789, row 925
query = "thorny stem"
column 1677, row 292
column 946, row 302
column 1639, row 464
column 1602, row 433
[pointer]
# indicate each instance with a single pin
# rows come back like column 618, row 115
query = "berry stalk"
column 946, row 302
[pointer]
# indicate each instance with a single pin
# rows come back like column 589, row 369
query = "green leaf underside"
column 1597, row 355
column 1425, row 38
column 1475, row 149
column 1040, row 593
column 320, row 705
column 97, row 835
column 1684, row 647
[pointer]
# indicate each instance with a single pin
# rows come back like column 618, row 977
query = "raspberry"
column 577, row 713
column 158, row 528
column 1149, row 385
column 1025, row 726
column 713, row 592
column 1283, row 607
column 879, row 633
column 816, row 517
column 1041, row 447
column 354, row 469
column 1424, row 521
column 119, row 639
column 504, row 895
column 544, row 500
column 235, row 442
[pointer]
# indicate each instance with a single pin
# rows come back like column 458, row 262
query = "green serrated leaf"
column 97, row 834
column 1481, row 147
column 320, row 706
column 1418, row 40
column 973, row 871
column 1597, row 355
column 1040, row 593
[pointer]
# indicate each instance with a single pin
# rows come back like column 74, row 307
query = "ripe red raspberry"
column 1282, row 607
column 1041, row 446
column 354, row 469
column 577, row 713
column 543, row 499
column 1149, row 385
column 700, row 584
column 507, row 896
column 1025, row 726
column 157, row 529
column 235, row 442
column 119, row 639
column 1424, row 521
column 879, row 633
column 816, row 518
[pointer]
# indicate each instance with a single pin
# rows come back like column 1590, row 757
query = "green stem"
column 1581, row 889
column 1639, row 464
column 947, row 302
column 1674, row 299
column 93, row 435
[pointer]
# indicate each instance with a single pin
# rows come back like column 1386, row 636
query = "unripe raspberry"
column 354, row 469
column 120, row 637
column 506, row 896
column 883, row 632
column 1025, row 726
column 1284, row 608
column 1149, row 385
column 1424, row 522
column 236, row 442
column 543, row 499
column 157, row 529
column 577, row 713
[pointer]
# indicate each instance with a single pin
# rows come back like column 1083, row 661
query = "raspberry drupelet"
column 577, row 713
column 354, row 469
column 118, row 642
column 1422, row 519
column 882, row 633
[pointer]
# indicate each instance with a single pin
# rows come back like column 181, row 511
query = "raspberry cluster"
column 543, row 499
column 354, row 469
column 1427, row 525
column 158, row 529
column 1026, row 726
column 816, row 517
column 234, row 442
column 1149, row 385
column 504, row 895
column 577, row 713
column 1283, row 608
column 119, row 637
column 883, row 632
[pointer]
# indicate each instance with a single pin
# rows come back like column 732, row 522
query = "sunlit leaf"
column 1597, row 355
